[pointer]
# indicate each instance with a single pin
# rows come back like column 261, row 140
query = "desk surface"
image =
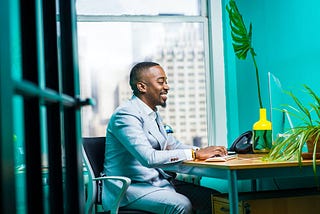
column 248, row 161
column 249, row 166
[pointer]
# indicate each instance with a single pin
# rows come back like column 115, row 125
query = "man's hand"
column 211, row 151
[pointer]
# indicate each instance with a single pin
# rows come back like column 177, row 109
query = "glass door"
column 40, row 140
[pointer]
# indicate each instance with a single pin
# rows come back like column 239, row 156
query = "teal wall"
column 286, row 38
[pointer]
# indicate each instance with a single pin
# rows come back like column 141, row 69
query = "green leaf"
column 239, row 40
column 301, row 106
column 315, row 107
column 242, row 39
column 239, row 31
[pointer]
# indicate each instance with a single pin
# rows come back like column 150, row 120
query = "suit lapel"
column 161, row 127
column 163, row 145
column 151, row 125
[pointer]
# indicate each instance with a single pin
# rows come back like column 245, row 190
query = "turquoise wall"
column 286, row 38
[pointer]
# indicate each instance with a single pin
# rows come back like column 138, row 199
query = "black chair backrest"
column 94, row 148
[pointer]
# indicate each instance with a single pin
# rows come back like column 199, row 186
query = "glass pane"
column 107, row 52
column 138, row 7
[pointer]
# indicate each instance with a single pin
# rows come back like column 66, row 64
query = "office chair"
column 93, row 154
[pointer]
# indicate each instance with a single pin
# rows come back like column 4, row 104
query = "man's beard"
column 163, row 105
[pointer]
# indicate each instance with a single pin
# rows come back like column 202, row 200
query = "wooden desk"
column 246, row 167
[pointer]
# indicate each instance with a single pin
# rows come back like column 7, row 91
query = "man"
column 137, row 146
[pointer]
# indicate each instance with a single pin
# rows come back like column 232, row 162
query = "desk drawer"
column 220, row 205
column 283, row 205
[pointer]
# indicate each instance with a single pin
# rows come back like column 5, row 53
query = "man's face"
column 156, row 87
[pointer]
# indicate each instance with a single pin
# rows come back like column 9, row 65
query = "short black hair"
column 135, row 74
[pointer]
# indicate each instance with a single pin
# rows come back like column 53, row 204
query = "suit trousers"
column 163, row 201
column 185, row 198
column 199, row 196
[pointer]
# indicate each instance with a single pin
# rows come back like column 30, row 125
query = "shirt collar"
column 145, row 108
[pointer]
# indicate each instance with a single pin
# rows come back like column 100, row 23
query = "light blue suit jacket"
column 137, row 148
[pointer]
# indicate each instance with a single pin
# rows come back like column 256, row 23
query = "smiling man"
column 137, row 146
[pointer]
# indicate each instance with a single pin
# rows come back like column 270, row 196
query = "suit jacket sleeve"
column 137, row 135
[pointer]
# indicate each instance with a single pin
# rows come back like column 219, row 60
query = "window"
column 115, row 35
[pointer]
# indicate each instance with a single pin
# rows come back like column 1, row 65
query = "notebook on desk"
column 222, row 158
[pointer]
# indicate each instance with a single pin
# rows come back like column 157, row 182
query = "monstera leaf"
column 242, row 39
column 240, row 36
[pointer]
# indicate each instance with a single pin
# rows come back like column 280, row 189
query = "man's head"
column 149, row 82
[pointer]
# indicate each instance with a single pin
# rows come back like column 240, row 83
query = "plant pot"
column 310, row 145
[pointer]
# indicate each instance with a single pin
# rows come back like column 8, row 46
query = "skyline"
column 180, row 52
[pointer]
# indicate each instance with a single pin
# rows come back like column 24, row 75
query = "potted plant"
column 291, row 147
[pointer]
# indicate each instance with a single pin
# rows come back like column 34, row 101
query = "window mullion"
column 136, row 18
column 29, row 89
column 8, row 25
column 217, row 128
column 74, row 187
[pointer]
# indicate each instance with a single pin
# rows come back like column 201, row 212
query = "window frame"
column 48, row 89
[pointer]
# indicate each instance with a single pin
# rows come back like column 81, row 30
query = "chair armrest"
column 194, row 179
column 125, row 184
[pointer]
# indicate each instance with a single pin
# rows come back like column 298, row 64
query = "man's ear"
column 141, row 87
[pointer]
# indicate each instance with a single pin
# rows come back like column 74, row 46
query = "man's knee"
column 183, row 205
column 168, row 202
column 187, row 206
